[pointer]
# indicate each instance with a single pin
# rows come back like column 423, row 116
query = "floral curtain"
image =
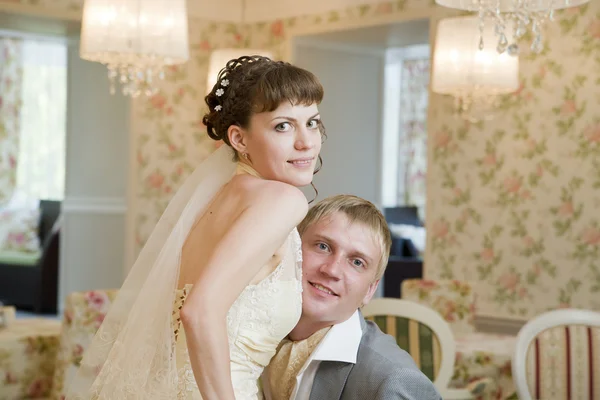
column 414, row 98
column 11, row 73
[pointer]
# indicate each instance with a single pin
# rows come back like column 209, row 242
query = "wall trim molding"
column 507, row 326
column 94, row 205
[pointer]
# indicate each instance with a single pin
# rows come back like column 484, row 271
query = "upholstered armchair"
column 478, row 355
column 28, row 349
column 84, row 312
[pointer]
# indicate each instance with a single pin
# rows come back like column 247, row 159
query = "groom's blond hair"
column 358, row 211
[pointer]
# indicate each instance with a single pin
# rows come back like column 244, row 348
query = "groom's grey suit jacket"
column 382, row 371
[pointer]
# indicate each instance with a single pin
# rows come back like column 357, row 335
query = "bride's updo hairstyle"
column 254, row 84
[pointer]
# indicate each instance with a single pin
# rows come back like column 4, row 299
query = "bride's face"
column 284, row 144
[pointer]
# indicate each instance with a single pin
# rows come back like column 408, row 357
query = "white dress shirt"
column 339, row 344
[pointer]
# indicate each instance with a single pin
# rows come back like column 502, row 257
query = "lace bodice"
column 262, row 315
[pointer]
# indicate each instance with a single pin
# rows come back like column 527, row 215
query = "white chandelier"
column 135, row 39
column 475, row 78
column 522, row 14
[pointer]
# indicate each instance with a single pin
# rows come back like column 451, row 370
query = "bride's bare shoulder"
column 267, row 193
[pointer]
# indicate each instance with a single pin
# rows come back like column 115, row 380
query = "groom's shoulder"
column 379, row 347
column 388, row 371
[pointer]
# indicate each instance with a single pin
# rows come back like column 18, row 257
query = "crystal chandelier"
column 135, row 39
column 475, row 78
column 522, row 14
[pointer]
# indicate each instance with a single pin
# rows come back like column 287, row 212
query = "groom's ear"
column 237, row 138
column 370, row 292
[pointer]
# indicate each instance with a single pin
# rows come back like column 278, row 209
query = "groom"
column 333, row 353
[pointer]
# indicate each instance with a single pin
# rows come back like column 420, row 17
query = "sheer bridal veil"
column 131, row 356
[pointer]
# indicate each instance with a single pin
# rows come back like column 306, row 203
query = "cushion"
column 28, row 350
column 482, row 355
column 14, row 257
column 83, row 315
column 19, row 229
column 454, row 300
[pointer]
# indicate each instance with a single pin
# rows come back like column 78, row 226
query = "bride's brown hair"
column 255, row 84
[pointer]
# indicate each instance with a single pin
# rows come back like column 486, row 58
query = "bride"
column 218, row 284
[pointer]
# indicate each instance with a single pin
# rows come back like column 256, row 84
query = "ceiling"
column 265, row 10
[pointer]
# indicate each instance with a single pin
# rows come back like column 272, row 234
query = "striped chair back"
column 564, row 363
column 557, row 356
column 415, row 338
column 420, row 331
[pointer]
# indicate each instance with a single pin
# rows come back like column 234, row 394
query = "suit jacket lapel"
column 331, row 376
column 330, row 380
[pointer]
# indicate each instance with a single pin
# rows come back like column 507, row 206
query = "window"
column 41, row 155
column 405, row 131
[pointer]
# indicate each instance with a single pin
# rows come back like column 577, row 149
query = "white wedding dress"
column 140, row 350
column 257, row 321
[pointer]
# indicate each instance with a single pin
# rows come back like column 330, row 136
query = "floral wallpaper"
column 11, row 75
column 512, row 203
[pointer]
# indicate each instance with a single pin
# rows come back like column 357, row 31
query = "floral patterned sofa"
column 28, row 349
column 84, row 312
column 479, row 355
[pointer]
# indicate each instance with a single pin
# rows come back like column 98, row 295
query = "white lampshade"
column 509, row 5
column 459, row 66
column 135, row 38
column 220, row 57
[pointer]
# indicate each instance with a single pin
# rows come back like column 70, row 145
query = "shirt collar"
column 341, row 342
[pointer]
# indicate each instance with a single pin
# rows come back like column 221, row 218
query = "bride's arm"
column 247, row 246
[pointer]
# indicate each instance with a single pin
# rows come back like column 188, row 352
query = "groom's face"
column 340, row 261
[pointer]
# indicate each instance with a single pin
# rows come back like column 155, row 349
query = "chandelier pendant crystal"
column 523, row 15
column 136, row 40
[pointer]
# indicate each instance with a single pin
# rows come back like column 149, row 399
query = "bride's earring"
column 246, row 156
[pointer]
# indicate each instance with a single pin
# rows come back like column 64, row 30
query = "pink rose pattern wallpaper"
column 512, row 203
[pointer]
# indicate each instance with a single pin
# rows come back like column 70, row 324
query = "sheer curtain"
column 11, row 62
column 412, row 168
column 41, row 159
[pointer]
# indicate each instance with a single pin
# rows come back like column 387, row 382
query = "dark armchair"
column 405, row 261
column 35, row 287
